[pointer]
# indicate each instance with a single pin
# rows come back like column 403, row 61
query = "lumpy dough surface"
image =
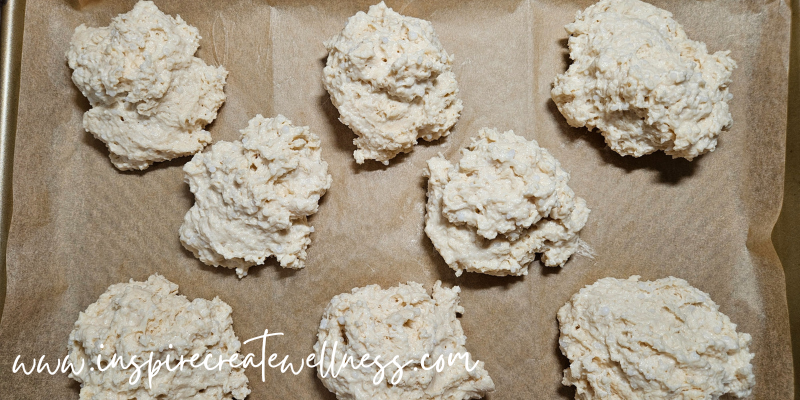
column 504, row 201
column 392, row 82
column 150, row 97
column 253, row 196
column 403, row 321
column 663, row 339
column 136, row 319
column 638, row 79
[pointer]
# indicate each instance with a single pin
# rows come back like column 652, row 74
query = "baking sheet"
column 786, row 235
column 79, row 225
column 12, row 16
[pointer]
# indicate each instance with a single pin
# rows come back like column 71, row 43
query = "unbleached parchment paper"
column 79, row 225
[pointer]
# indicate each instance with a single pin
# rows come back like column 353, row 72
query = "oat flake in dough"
column 392, row 83
column 401, row 321
column 138, row 318
column 150, row 96
column 252, row 196
column 504, row 201
column 642, row 83
column 664, row 339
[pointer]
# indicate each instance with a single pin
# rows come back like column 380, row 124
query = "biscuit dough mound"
column 642, row 83
column 140, row 318
column 504, row 201
column 392, row 83
column 402, row 321
column 150, row 96
column 664, row 339
column 252, row 196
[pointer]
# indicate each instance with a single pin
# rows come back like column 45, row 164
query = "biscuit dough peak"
column 136, row 318
column 150, row 96
column 503, row 184
column 403, row 321
column 504, row 201
column 642, row 82
column 392, row 82
column 662, row 339
column 253, row 196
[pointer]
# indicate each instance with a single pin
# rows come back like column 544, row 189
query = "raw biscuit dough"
column 627, row 339
column 392, row 83
column 637, row 78
column 504, row 201
column 401, row 321
column 150, row 96
column 137, row 318
column 252, row 196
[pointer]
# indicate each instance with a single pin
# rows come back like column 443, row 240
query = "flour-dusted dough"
column 504, row 201
column 137, row 318
column 252, row 196
column 401, row 321
column 392, row 83
column 664, row 339
column 637, row 78
column 150, row 96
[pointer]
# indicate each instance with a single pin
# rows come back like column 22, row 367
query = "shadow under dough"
column 567, row 392
column 670, row 171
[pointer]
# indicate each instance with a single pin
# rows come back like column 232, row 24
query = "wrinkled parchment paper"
column 79, row 225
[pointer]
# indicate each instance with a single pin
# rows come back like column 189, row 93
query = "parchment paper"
column 79, row 225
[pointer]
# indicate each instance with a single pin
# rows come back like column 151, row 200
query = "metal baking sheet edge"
column 12, row 20
column 786, row 234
